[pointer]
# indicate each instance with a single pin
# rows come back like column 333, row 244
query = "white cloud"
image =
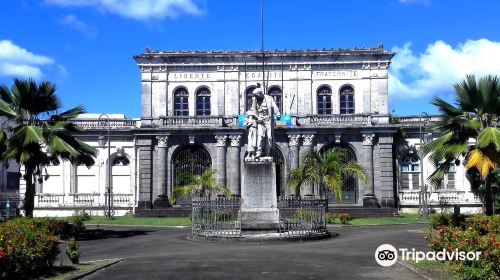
column 440, row 66
column 73, row 22
column 17, row 61
column 135, row 9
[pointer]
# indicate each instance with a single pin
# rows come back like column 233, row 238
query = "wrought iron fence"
column 302, row 216
column 216, row 217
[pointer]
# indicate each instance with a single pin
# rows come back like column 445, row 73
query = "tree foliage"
column 34, row 133
column 468, row 129
column 189, row 185
column 327, row 169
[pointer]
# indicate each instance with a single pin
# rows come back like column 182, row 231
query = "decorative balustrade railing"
column 337, row 120
column 114, row 123
column 49, row 200
column 85, row 199
column 414, row 120
column 122, row 199
column 439, row 198
column 216, row 217
column 302, row 216
column 198, row 121
column 80, row 200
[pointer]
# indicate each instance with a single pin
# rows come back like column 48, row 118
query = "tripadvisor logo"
column 387, row 255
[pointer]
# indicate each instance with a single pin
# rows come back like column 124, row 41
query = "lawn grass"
column 402, row 219
column 185, row 221
column 69, row 271
column 153, row 221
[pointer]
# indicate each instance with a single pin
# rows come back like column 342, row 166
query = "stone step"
column 365, row 212
column 167, row 212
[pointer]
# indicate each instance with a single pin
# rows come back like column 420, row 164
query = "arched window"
column 277, row 94
column 203, row 102
column 120, row 173
column 324, row 100
column 410, row 172
column 346, row 100
column 181, row 107
column 121, row 161
column 248, row 97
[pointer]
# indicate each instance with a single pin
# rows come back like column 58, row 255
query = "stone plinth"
column 259, row 209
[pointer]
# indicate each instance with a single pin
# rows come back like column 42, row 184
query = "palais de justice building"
column 193, row 103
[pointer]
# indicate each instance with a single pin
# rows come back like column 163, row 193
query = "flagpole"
column 262, row 46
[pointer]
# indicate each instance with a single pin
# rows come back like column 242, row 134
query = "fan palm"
column 327, row 169
column 475, row 117
column 189, row 184
column 34, row 133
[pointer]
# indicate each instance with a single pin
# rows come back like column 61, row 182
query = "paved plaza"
column 165, row 253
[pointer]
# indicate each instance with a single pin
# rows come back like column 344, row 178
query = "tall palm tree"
column 325, row 169
column 203, row 185
column 34, row 133
column 475, row 116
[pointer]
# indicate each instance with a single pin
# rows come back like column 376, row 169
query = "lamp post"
column 423, row 209
column 102, row 140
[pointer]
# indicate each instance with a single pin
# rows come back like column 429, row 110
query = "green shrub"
column 73, row 250
column 331, row 218
column 475, row 233
column 78, row 219
column 345, row 218
column 27, row 247
column 438, row 220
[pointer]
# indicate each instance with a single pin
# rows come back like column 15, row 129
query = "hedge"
column 29, row 247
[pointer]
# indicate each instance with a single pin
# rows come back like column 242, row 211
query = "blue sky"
column 86, row 46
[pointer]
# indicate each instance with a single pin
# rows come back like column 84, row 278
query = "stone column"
column 369, row 198
column 307, row 143
column 233, row 168
column 293, row 156
column 145, row 171
column 221, row 159
column 160, row 194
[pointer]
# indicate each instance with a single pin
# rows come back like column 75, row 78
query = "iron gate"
column 191, row 158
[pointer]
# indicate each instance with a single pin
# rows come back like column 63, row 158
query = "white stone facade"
column 189, row 121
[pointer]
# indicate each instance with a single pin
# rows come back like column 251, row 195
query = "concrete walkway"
column 165, row 253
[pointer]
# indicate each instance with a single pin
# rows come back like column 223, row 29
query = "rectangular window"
column 405, row 181
column 405, row 168
column 415, row 180
column 451, row 181
column 325, row 104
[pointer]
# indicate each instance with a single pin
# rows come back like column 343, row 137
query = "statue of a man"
column 264, row 107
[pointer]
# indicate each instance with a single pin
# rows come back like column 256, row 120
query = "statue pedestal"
column 259, row 209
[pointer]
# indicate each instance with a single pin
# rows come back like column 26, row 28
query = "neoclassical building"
column 193, row 104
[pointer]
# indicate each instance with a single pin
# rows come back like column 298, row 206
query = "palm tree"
column 189, row 184
column 327, row 169
column 35, row 134
column 475, row 116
